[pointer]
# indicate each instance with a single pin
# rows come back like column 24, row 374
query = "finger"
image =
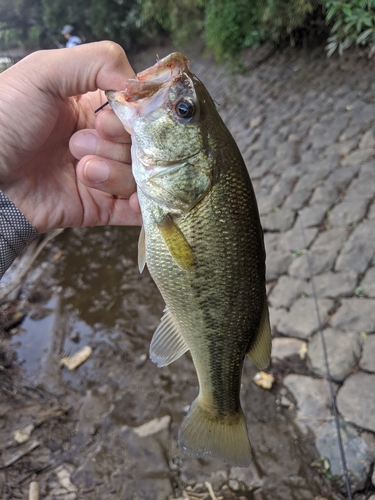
column 102, row 65
column 88, row 142
column 106, row 175
column 109, row 126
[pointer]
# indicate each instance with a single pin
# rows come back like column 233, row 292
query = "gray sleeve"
column 16, row 232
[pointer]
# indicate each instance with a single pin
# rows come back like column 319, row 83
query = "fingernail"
column 96, row 171
column 85, row 144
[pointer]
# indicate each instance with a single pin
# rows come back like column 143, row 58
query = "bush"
column 353, row 22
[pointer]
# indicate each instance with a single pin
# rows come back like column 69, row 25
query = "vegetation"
column 227, row 26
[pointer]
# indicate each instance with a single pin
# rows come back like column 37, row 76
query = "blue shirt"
column 73, row 41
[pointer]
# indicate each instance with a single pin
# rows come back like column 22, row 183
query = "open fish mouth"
column 151, row 80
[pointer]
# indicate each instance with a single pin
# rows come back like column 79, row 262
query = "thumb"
column 88, row 67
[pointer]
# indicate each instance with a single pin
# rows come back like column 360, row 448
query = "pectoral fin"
column 176, row 242
column 260, row 352
column 167, row 344
column 142, row 250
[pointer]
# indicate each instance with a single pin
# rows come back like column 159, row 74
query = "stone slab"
column 356, row 401
column 368, row 354
column 283, row 347
column 301, row 321
column 343, row 352
column 355, row 314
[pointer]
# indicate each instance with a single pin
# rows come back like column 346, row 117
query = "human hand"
column 46, row 98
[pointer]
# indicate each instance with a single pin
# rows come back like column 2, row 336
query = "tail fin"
column 203, row 434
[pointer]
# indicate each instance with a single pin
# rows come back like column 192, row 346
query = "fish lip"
column 150, row 81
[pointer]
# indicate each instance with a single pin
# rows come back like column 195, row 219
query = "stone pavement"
column 305, row 126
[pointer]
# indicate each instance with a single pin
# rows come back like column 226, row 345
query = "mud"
column 85, row 289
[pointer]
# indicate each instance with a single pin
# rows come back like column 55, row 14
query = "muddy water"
column 87, row 290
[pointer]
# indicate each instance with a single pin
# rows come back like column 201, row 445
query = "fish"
column 202, row 242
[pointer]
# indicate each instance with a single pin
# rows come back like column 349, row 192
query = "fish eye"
column 185, row 108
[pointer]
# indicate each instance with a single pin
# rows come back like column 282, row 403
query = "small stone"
column 358, row 457
column 356, row 402
column 23, row 435
column 367, row 140
column 264, row 380
column 153, row 426
column 74, row 361
column 368, row 354
column 298, row 238
column 343, row 351
column 233, row 485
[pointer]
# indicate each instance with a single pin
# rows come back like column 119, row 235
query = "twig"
column 24, row 268
column 34, row 491
column 210, row 490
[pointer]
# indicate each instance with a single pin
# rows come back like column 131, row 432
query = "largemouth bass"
column 203, row 245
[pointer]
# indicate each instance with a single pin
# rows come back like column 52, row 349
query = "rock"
column 284, row 347
column 153, row 426
column 334, row 284
column 322, row 254
column 247, row 477
column 277, row 263
column 348, row 212
column 355, row 314
column 341, row 177
column 362, row 187
column 94, row 408
column 286, row 291
column 302, row 321
column 326, row 193
column 297, row 199
column 343, row 351
column 359, row 156
column 359, row 249
column 367, row 140
column 357, row 454
column 356, row 402
column 368, row 283
column 313, row 215
column 278, row 221
column 313, row 400
column 200, row 470
column 368, row 354
column 296, row 239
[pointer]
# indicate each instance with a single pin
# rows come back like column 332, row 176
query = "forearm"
column 15, row 233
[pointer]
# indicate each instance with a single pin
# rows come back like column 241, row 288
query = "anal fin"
column 167, row 344
column 176, row 242
column 260, row 352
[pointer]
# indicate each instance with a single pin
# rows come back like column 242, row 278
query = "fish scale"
column 203, row 245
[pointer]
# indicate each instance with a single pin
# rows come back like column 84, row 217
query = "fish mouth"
column 151, row 80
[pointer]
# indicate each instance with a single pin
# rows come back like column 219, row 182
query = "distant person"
column 71, row 39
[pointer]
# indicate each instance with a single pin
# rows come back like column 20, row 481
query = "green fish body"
column 203, row 245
